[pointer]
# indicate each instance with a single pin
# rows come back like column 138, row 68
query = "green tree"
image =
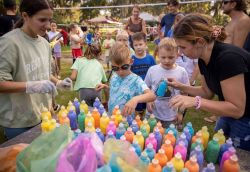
column 90, row 13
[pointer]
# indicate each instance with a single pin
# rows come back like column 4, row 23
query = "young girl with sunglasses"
column 88, row 73
column 126, row 88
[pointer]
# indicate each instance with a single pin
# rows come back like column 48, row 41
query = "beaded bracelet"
column 198, row 102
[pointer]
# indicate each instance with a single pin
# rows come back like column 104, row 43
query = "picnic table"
column 33, row 133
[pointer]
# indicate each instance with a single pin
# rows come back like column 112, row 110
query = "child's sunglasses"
column 225, row 2
column 123, row 67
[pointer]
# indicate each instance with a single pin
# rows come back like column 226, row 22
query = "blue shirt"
column 124, row 89
column 157, row 41
column 170, row 33
column 141, row 65
column 167, row 21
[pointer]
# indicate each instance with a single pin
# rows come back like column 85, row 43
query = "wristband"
column 198, row 102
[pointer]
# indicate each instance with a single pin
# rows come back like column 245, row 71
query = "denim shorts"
column 237, row 129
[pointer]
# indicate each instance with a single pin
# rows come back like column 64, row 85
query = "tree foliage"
column 69, row 16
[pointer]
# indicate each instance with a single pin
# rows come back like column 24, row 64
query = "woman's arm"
column 12, row 87
column 234, row 93
column 144, row 30
column 202, row 90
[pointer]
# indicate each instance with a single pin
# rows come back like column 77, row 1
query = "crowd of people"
column 188, row 44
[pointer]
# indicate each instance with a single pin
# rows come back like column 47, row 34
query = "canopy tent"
column 103, row 20
column 148, row 17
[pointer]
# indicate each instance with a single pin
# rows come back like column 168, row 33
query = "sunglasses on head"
column 226, row 2
column 123, row 67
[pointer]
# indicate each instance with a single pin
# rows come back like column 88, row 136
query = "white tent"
column 145, row 16
column 148, row 17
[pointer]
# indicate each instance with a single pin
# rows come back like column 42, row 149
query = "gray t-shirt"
column 22, row 59
column 154, row 76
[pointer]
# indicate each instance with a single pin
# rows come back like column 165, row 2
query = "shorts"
column 89, row 95
column 76, row 53
column 237, row 129
column 57, row 55
column 166, row 124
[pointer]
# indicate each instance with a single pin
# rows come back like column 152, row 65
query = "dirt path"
column 66, row 57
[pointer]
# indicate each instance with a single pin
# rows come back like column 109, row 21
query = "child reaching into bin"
column 126, row 89
column 167, row 68
column 88, row 72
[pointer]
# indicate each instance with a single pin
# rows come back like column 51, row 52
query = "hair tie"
column 216, row 31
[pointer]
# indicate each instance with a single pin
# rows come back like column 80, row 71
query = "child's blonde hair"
column 121, row 33
column 168, row 44
column 119, row 53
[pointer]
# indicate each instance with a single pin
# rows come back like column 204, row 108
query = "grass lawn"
column 194, row 116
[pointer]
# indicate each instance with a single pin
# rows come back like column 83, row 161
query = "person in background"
column 25, row 73
column 225, row 71
column 168, row 20
column 177, row 19
column 142, row 61
column 167, row 54
column 135, row 24
column 160, row 33
column 75, row 41
column 88, row 72
column 122, row 37
column 107, row 44
column 56, row 36
column 97, row 35
column 65, row 36
column 126, row 89
column 8, row 20
column 238, row 30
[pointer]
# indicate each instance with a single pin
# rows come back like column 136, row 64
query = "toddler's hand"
column 129, row 107
column 150, row 107
column 100, row 87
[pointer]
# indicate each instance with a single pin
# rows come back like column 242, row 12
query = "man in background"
column 168, row 20
column 238, row 29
